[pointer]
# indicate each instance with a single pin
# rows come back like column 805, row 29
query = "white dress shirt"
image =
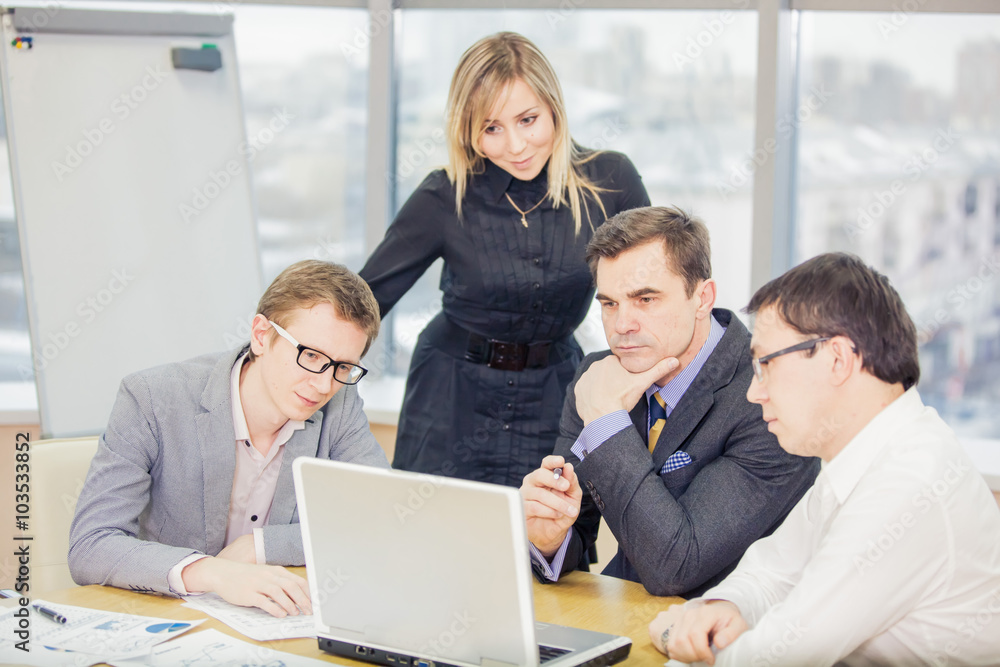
column 892, row 558
column 254, row 483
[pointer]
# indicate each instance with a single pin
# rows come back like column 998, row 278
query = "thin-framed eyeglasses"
column 315, row 361
column 760, row 362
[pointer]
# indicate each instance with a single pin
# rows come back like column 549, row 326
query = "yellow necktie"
column 657, row 418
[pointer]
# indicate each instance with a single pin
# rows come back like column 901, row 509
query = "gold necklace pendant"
column 524, row 214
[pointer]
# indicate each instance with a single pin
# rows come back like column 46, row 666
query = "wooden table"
column 580, row 599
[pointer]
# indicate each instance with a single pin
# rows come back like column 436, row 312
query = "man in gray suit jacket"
column 191, row 487
column 687, row 489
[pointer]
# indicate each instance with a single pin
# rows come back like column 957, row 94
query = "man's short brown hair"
column 310, row 282
column 837, row 294
column 684, row 237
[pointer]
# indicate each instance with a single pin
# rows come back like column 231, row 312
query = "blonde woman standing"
column 511, row 215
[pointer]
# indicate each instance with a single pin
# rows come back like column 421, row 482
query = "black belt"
column 507, row 356
column 472, row 347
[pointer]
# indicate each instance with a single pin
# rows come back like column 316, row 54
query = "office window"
column 673, row 90
column 899, row 162
column 304, row 75
column 16, row 374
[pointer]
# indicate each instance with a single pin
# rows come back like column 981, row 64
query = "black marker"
column 557, row 473
column 49, row 613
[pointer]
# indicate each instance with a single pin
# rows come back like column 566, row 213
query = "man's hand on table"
column 695, row 628
column 269, row 587
column 664, row 620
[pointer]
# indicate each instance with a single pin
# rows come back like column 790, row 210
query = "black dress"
column 501, row 281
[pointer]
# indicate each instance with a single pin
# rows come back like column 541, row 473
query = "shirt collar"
column 850, row 465
column 499, row 181
column 673, row 391
column 240, row 419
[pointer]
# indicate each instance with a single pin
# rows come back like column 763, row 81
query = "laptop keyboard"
column 546, row 653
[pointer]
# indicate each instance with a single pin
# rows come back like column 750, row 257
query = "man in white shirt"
column 893, row 557
column 191, row 487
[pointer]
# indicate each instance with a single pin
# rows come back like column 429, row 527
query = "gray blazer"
column 159, row 486
column 681, row 532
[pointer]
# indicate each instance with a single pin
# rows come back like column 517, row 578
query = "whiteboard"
column 133, row 199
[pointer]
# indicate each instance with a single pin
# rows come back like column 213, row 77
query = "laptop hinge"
column 490, row 662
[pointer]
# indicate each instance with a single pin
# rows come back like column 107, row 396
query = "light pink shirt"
column 254, row 482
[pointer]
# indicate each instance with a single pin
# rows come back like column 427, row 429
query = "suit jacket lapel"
column 699, row 398
column 217, row 445
column 693, row 407
column 304, row 442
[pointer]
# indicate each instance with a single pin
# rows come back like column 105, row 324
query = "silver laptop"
column 427, row 571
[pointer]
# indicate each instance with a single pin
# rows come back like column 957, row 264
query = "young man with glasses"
column 892, row 558
column 657, row 429
column 191, row 487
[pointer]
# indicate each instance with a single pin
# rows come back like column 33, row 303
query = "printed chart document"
column 89, row 636
column 255, row 623
column 207, row 648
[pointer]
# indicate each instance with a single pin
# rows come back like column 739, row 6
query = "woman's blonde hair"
column 483, row 77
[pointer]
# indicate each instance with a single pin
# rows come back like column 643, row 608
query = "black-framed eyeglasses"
column 760, row 362
column 315, row 361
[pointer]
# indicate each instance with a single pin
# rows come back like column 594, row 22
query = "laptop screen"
column 421, row 564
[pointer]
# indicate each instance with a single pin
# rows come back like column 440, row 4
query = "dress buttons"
column 510, row 383
column 537, row 261
column 506, row 427
column 510, row 406
column 535, row 306
column 536, row 286
column 253, row 518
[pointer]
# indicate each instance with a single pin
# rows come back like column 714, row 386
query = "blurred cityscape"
column 909, row 179
column 904, row 174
